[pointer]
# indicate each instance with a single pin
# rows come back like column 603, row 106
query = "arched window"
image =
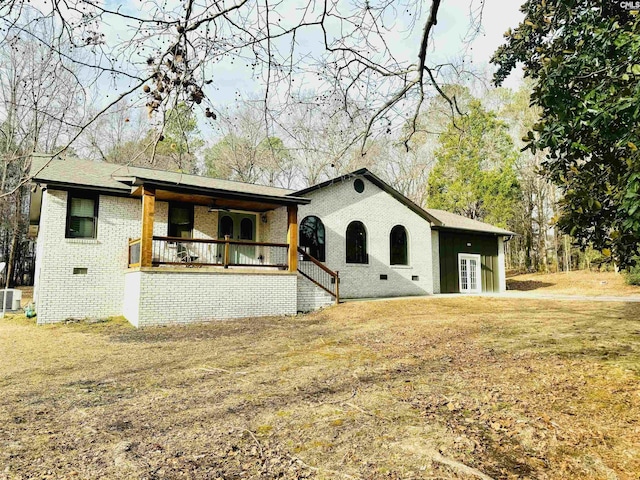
column 398, row 246
column 357, row 243
column 312, row 237
column 226, row 226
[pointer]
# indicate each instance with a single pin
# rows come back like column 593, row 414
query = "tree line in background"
column 555, row 162
column 472, row 165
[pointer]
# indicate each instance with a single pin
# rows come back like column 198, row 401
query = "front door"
column 469, row 273
column 239, row 226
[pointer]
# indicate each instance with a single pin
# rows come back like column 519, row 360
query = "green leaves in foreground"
column 582, row 58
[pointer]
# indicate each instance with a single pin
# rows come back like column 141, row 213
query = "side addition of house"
column 384, row 245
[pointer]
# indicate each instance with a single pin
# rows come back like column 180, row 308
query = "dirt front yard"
column 425, row 388
column 581, row 282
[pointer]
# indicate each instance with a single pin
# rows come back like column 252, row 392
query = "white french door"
column 469, row 273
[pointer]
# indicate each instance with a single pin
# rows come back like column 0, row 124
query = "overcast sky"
column 448, row 44
column 498, row 17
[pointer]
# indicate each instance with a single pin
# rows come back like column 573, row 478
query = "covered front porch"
column 187, row 230
column 206, row 254
column 197, row 252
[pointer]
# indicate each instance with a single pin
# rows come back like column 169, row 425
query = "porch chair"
column 184, row 254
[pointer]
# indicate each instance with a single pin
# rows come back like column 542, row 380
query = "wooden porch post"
column 226, row 250
column 292, row 237
column 148, row 211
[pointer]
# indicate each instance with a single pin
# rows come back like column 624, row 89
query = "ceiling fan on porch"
column 214, row 207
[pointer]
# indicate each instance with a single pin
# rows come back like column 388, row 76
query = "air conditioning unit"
column 13, row 298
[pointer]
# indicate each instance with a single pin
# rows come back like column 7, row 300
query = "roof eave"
column 505, row 233
column 45, row 184
column 215, row 192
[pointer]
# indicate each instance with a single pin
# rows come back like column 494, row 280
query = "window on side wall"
column 312, row 237
column 82, row 215
column 357, row 243
column 398, row 246
column 180, row 220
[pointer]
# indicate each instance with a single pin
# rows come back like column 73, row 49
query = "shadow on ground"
column 527, row 285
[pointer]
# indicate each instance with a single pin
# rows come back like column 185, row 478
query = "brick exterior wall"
column 61, row 294
column 275, row 230
column 39, row 249
column 311, row 297
column 205, row 223
column 199, row 295
column 338, row 205
column 160, row 220
column 131, row 301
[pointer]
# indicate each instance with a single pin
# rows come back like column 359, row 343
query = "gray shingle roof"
column 458, row 222
column 72, row 171
column 75, row 172
column 111, row 177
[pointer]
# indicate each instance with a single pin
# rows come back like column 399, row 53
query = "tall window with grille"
column 398, row 246
column 312, row 239
column 82, row 215
column 356, row 238
column 180, row 220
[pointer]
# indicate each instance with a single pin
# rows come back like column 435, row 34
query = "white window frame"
column 470, row 256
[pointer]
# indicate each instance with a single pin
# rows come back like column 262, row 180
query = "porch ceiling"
column 220, row 202
column 238, row 200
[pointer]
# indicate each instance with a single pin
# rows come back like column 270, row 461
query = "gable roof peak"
column 378, row 182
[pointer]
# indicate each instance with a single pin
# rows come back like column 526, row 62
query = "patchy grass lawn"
column 581, row 282
column 425, row 388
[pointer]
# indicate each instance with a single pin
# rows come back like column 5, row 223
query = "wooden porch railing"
column 224, row 253
column 322, row 276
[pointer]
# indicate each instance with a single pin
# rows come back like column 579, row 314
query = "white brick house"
column 337, row 204
column 159, row 247
column 163, row 247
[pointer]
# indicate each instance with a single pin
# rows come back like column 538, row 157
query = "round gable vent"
column 358, row 185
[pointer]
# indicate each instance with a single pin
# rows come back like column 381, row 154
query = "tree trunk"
column 12, row 255
column 542, row 227
column 15, row 235
column 556, row 245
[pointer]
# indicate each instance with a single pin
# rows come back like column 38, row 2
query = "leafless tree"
column 245, row 150
column 164, row 53
column 322, row 138
column 116, row 133
column 38, row 93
